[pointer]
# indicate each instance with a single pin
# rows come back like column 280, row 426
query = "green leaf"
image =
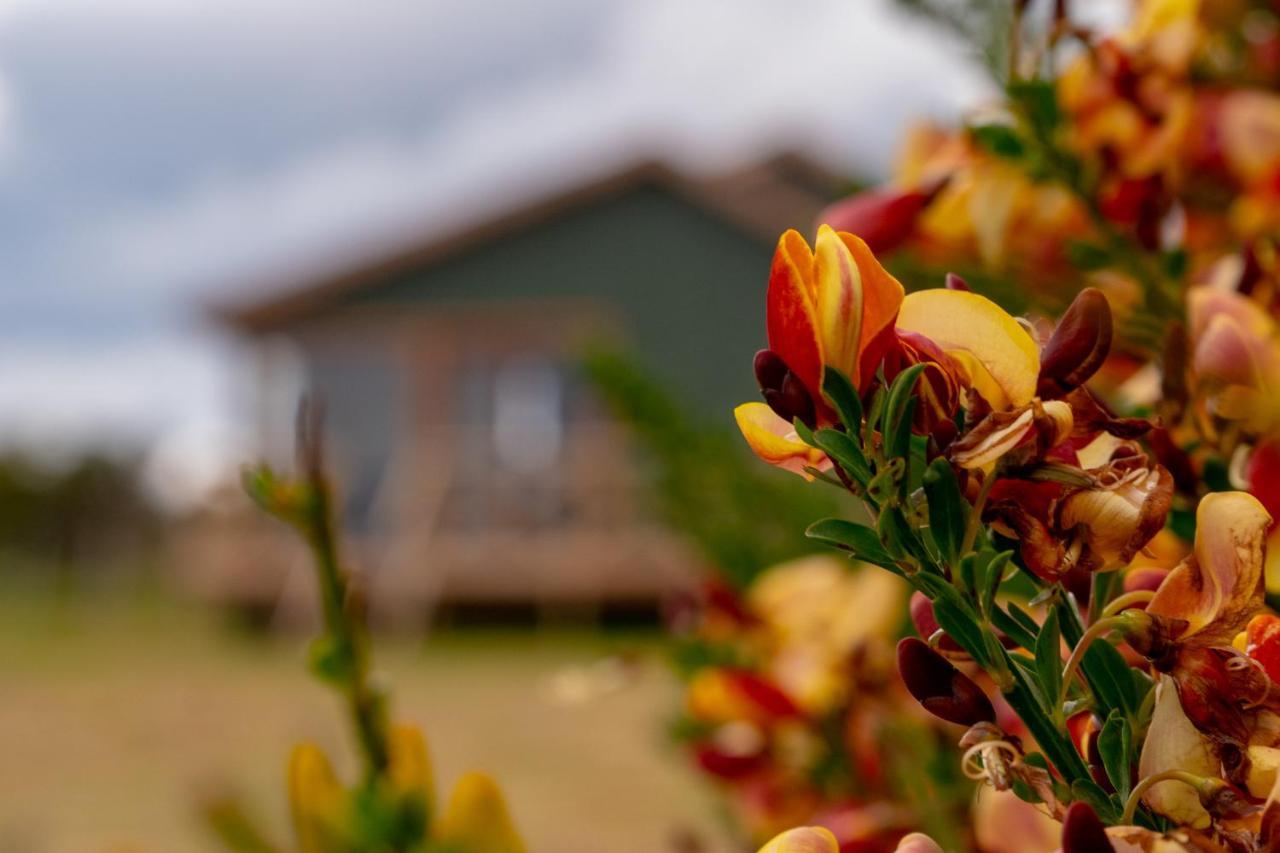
column 806, row 434
column 895, row 407
column 1115, row 745
column 1056, row 472
column 845, row 452
column 1024, row 619
column 1012, row 627
column 990, row 585
column 948, row 510
column 840, row 392
column 1049, row 657
column 331, row 660
column 851, row 536
column 1091, row 792
column 1039, row 103
column 999, row 139
column 1087, row 257
column 898, row 535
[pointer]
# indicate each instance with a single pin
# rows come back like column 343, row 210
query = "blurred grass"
column 118, row 714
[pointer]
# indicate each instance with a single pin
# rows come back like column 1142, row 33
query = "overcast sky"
column 156, row 155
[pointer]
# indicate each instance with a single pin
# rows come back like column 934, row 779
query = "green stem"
column 1131, row 804
column 1096, row 630
column 346, row 628
column 975, row 517
column 1129, row 599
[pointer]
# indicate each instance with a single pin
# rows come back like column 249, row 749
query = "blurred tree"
column 84, row 515
column 743, row 516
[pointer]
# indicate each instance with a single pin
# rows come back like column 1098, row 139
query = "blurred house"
column 478, row 468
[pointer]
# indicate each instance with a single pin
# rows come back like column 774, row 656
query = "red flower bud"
column 955, row 282
column 943, row 690
column 927, row 624
column 782, row 389
column 1078, row 345
column 1083, row 832
column 770, row 370
column 884, row 219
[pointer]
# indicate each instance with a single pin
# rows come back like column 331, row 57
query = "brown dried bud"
column 943, row 690
column 782, row 389
column 1083, row 832
column 1224, row 800
column 1078, row 345
column 770, row 370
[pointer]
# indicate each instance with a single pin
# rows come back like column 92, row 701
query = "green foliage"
column 743, row 516
column 83, row 515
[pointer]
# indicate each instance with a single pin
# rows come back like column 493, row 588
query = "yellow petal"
column 409, row 766
column 1218, row 589
column 1002, row 359
column 775, row 441
column 315, row 799
column 1173, row 743
column 476, row 819
column 805, row 839
column 839, row 302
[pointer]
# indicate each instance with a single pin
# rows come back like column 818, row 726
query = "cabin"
column 477, row 467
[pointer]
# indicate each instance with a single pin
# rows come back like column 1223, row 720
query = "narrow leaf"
column 840, row 392
column 948, row 510
column 1116, row 748
column 1049, row 657
column 851, row 536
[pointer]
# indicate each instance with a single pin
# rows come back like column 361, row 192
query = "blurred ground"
column 116, row 718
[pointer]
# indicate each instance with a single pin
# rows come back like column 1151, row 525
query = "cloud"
column 171, row 153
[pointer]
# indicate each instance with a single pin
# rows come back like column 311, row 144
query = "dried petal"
column 1079, row 344
column 1218, row 589
column 943, row 690
column 1083, row 832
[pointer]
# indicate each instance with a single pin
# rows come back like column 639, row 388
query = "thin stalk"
column 1129, row 599
column 344, row 623
column 1094, row 631
column 1131, row 805
column 975, row 517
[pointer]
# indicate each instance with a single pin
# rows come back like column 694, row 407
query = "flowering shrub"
column 1083, row 507
column 393, row 805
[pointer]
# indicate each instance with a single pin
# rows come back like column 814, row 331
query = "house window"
column 528, row 415
column 513, row 418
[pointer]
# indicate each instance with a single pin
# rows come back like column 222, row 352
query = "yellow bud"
column 476, row 819
column 409, row 767
column 315, row 799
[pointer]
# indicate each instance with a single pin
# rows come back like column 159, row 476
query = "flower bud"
column 1224, row 800
column 770, row 369
column 884, row 219
column 1078, row 345
column 943, row 690
column 1083, row 832
column 927, row 624
column 782, row 389
column 955, row 282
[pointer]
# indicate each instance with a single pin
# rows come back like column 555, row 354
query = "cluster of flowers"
column 1090, row 589
column 1155, row 151
column 1002, row 489
column 793, row 707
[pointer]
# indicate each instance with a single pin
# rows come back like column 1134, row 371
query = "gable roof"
column 762, row 201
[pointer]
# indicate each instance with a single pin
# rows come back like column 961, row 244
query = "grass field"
column 116, row 720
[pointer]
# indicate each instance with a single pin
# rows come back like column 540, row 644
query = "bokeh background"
column 426, row 212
